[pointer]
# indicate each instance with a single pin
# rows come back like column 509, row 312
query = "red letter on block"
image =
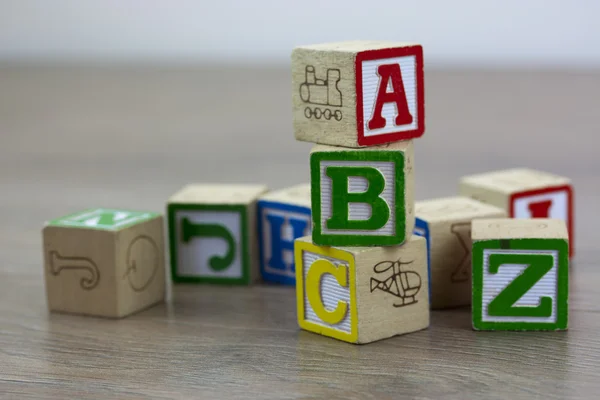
column 540, row 209
column 390, row 72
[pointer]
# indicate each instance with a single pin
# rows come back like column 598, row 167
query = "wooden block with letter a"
column 446, row 224
column 520, row 274
column 283, row 216
column 212, row 233
column 524, row 193
column 358, row 93
column 104, row 262
column 362, row 197
column 362, row 294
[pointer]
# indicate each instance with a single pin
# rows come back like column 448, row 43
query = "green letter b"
column 341, row 198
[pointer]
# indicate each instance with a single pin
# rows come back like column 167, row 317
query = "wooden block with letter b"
column 525, row 193
column 104, row 262
column 520, row 274
column 212, row 232
column 362, row 197
column 283, row 216
column 446, row 224
column 362, row 294
column 358, row 93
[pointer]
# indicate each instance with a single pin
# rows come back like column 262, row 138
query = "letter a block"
column 359, row 93
column 362, row 294
column 446, row 224
column 212, row 232
column 104, row 262
column 524, row 193
column 362, row 197
column 283, row 216
column 520, row 274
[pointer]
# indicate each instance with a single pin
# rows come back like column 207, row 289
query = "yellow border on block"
column 299, row 248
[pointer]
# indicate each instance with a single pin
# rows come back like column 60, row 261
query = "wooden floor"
column 73, row 138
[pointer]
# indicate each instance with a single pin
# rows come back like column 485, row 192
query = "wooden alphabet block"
column 212, row 232
column 362, row 197
column 446, row 224
column 358, row 93
column 104, row 262
column 520, row 274
column 524, row 193
column 283, row 216
column 362, row 294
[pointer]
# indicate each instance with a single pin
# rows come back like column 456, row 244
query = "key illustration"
column 142, row 262
column 403, row 284
column 190, row 230
column 58, row 263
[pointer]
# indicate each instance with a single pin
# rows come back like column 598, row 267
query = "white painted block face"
column 193, row 257
column 370, row 88
column 359, row 211
column 287, row 234
column 559, row 208
column 494, row 284
column 331, row 293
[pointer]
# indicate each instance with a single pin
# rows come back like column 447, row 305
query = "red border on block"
column 417, row 51
column 570, row 213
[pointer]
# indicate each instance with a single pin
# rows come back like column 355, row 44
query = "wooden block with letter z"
column 104, row 262
column 525, row 193
column 358, row 93
column 362, row 197
column 362, row 294
column 520, row 274
column 283, row 216
column 212, row 233
column 446, row 224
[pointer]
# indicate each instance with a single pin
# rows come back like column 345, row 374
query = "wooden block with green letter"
column 362, row 294
column 212, row 233
column 104, row 262
column 520, row 274
column 362, row 197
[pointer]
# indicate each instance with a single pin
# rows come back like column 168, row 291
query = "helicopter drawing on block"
column 403, row 284
column 323, row 92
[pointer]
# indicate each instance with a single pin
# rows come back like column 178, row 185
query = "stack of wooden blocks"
column 368, row 262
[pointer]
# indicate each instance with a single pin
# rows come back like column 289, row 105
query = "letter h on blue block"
column 422, row 229
column 279, row 224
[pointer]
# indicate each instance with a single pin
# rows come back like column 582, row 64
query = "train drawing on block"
column 400, row 283
column 322, row 92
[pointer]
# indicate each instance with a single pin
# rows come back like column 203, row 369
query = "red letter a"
column 540, row 209
column 390, row 72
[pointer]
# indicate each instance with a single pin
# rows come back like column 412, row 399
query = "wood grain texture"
column 130, row 137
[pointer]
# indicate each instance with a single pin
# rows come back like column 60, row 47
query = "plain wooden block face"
column 283, row 216
column 212, row 232
column 446, row 225
column 524, row 193
column 362, row 294
column 520, row 274
column 358, row 93
column 362, row 197
column 104, row 262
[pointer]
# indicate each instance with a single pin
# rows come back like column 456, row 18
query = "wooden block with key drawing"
column 212, row 233
column 446, row 224
column 104, row 262
column 362, row 294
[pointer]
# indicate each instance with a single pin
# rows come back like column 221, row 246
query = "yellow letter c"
column 313, row 290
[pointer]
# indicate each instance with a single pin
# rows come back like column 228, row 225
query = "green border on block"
column 325, row 239
column 74, row 220
column 172, row 209
column 562, row 287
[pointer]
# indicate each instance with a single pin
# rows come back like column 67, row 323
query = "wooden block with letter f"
column 520, row 274
column 362, row 197
column 358, row 93
column 212, row 232
column 362, row 294
column 525, row 193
